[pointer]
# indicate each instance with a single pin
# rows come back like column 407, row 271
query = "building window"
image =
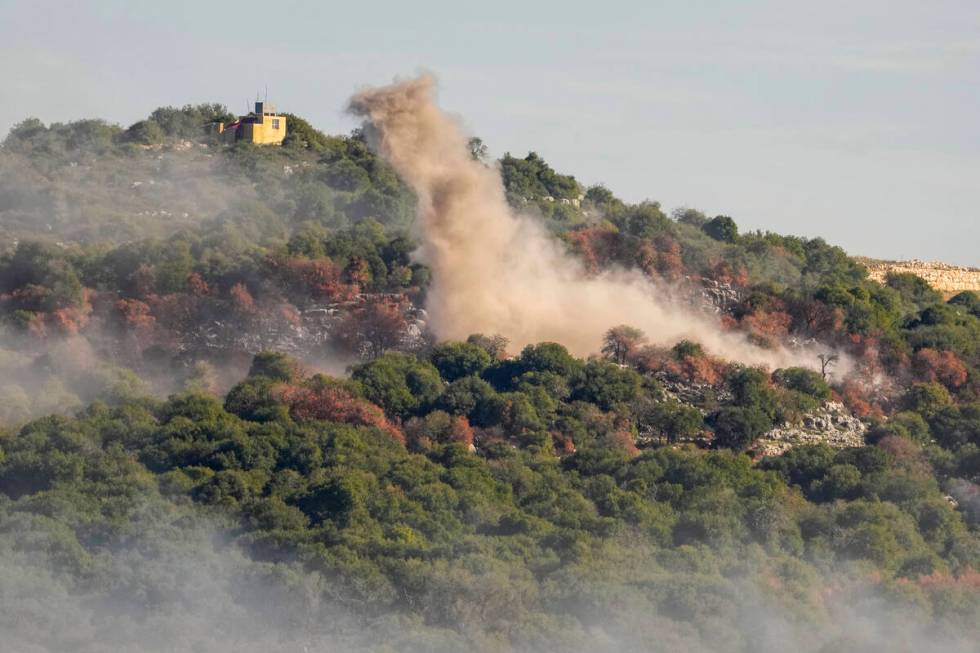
column 275, row 123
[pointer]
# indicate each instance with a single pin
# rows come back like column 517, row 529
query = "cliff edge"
column 947, row 279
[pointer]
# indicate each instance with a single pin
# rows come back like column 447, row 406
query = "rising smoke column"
column 497, row 272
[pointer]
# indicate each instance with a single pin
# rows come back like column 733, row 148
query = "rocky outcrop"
column 308, row 336
column 694, row 394
column 709, row 295
column 947, row 279
column 831, row 424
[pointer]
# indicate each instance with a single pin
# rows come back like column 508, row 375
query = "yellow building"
column 263, row 127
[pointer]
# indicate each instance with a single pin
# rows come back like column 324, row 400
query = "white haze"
column 173, row 583
column 495, row 271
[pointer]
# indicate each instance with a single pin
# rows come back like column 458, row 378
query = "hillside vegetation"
column 168, row 305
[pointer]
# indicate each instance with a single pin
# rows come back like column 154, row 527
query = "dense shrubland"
column 442, row 489
column 483, row 497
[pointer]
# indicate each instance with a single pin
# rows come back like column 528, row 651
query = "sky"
column 857, row 121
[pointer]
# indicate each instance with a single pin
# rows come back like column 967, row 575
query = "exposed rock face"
column 694, row 394
column 710, row 295
column 310, row 336
column 947, row 279
column 831, row 424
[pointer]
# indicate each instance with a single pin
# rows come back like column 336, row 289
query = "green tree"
column 454, row 360
column 606, row 384
column 927, row 399
column 144, row 132
column 803, row 380
column 400, row 383
column 275, row 366
column 721, row 227
column 738, row 427
column 675, row 420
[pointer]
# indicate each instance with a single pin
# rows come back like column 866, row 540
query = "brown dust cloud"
column 496, row 271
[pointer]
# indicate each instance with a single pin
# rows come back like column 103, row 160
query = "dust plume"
column 495, row 271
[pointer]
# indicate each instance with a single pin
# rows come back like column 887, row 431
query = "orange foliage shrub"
column 242, row 299
column 967, row 579
column 597, row 247
column 461, row 431
column 565, row 444
column 69, row 321
column 669, row 262
column 770, row 325
column 358, row 271
column 687, row 369
column 176, row 312
column 321, row 278
column 867, row 353
column 725, row 272
column 942, row 366
column 855, row 397
column 622, row 439
column 813, row 317
column 378, row 326
column 660, row 257
column 135, row 313
column 317, row 399
column 197, row 285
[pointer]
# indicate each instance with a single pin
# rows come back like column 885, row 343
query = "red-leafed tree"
column 942, row 366
column 358, row 271
column 321, row 278
column 622, row 438
column 866, row 349
column 175, row 312
column 597, row 247
column 320, row 398
column 242, row 300
column 135, row 314
column 661, row 256
column 373, row 328
column 197, row 285
column 685, row 362
column 771, row 325
column 564, row 443
column 461, row 431
column 727, row 272
column 855, row 396
column 69, row 320
column 814, row 318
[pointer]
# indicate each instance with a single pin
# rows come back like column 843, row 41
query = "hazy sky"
column 855, row 120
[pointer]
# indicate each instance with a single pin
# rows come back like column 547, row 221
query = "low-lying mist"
column 495, row 271
column 173, row 581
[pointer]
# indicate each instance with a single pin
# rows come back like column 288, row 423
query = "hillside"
column 231, row 418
